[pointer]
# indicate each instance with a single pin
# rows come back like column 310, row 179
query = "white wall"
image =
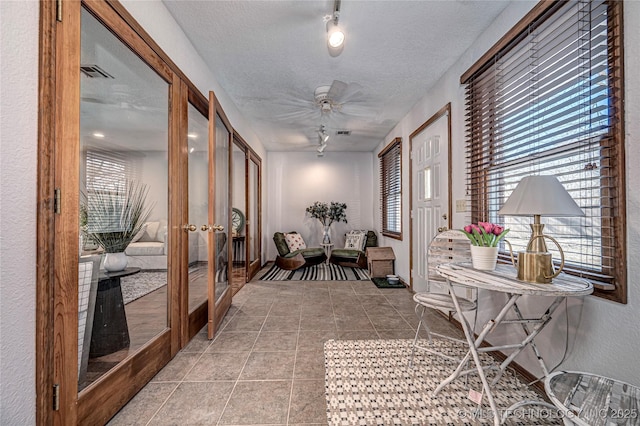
column 296, row 179
column 604, row 336
column 18, row 164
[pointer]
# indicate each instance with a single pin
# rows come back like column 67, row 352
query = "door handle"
column 205, row 227
column 217, row 228
column 442, row 229
column 190, row 227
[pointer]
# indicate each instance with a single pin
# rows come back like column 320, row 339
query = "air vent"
column 343, row 132
column 94, row 71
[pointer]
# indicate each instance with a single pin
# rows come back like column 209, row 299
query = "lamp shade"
column 540, row 195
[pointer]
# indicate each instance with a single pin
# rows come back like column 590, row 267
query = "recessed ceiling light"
column 98, row 135
column 192, row 135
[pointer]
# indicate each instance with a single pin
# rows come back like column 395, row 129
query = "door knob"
column 205, row 227
column 442, row 229
column 190, row 227
column 217, row 228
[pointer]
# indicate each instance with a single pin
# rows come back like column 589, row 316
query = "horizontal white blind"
column 547, row 105
column 391, row 188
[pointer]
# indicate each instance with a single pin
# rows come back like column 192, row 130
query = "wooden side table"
column 380, row 261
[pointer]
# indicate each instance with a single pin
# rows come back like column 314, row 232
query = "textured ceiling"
column 270, row 56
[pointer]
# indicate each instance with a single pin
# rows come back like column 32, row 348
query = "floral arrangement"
column 485, row 234
column 328, row 213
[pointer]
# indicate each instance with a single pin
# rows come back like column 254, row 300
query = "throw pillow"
column 295, row 241
column 355, row 240
column 140, row 233
column 150, row 232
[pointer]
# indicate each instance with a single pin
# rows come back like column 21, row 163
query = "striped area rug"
column 322, row 272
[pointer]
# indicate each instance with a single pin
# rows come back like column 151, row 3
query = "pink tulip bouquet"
column 485, row 234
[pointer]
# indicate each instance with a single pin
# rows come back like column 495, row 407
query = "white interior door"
column 430, row 197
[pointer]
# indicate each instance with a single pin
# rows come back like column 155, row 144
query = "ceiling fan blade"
column 337, row 89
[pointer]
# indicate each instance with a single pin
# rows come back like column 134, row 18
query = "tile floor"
column 266, row 365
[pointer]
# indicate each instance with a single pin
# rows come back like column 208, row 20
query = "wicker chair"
column 290, row 261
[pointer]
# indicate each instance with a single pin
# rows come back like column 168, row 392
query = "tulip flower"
column 485, row 234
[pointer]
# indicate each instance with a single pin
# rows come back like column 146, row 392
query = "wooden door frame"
column 445, row 110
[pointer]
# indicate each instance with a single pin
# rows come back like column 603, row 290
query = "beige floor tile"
column 144, row 405
column 269, row 341
column 269, row 366
column 309, row 365
column 217, row 366
column 258, row 402
column 308, row 402
column 314, row 339
column 177, row 368
column 199, row 403
column 233, row 341
column 282, row 323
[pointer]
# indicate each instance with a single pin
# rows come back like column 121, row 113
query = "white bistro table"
column 504, row 280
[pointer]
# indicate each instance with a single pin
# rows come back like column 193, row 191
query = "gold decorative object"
column 539, row 196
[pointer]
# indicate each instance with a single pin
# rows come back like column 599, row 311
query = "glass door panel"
column 123, row 176
column 219, row 296
column 238, row 218
column 198, row 165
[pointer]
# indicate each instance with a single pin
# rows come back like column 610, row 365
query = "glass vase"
column 326, row 235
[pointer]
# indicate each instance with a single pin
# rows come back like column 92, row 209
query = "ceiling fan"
column 339, row 100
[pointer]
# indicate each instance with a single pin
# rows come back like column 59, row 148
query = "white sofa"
column 149, row 251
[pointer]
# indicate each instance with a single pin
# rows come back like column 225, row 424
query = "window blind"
column 549, row 102
column 391, row 188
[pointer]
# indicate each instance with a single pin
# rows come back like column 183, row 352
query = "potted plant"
column 327, row 214
column 484, row 238
column 114, row 217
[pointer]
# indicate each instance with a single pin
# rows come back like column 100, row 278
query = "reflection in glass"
column 254, row 248
column 238, row 217
column 123, row 139
column 221, row 207
column 198, row 162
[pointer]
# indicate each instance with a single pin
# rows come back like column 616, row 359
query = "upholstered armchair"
column 296, row 259
column 354, row 257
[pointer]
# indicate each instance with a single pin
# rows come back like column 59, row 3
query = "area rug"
column 141, row 284
column 321, row 272
column 383, row 283
column 369, row 382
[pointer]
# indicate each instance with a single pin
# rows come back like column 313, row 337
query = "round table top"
column 117, row 274
column 504, row 279
column 589, row 399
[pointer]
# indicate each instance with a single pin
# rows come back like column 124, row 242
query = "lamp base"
column 535, row 267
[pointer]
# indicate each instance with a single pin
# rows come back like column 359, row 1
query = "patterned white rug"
column 321, row 272
column 369, row 382
column 141, row 284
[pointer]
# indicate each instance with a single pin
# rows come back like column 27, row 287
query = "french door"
column 117, row 115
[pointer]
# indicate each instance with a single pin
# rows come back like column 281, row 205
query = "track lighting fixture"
column 323, row 136
column 335, row 35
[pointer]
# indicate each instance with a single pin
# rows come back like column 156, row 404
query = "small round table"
column 110, row 332
column 327, row 250
column 588, row 399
